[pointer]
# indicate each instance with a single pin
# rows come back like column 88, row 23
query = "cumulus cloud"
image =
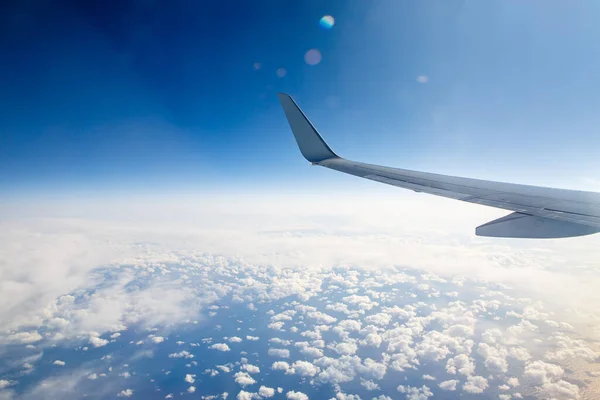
column 220, row 347
column 304, row 368
column 59, row 363
column 189, row 378
column 280, row 366
column 349, row 306
column 312, row 352
column 251, row 369
column 266, row 392
column 98, row 342
column 461, row 364
column 24, row 337
column 449, row 385
column 292, row 395
column 157, row 339
column 125, row 393
column 4, row 383
column 243, row 379
column 559, row 390
column 243, row 395
column 281, row 353
column 540, row 372
column 475, row 384
column 181, row 354
column 415, row 393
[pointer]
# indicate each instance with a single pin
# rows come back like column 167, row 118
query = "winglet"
column 311, row 144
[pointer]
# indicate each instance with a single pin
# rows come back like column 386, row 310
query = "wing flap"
column 519, row 225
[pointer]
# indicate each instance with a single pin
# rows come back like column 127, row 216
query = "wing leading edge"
column 539, row 212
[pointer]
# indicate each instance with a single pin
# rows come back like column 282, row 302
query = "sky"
column 162, row 237
column 181, row 96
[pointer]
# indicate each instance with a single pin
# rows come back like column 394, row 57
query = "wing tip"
column 312, row 146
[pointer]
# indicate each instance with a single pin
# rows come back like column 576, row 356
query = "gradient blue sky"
column 145, row 95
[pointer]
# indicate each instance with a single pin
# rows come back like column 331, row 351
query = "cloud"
column 461, row 364
column 98, row 342
column 251, row 369
column 540, row 372
column 415, row 393
column 25, row 337
column 243, row 379
column 292, row 395
column 321, row 318
column 280, row 366
column 449, row 385
column 281, row 353
column 235, row 339
column 351, row 306
column 157, row 339
column 189, row 378
column 475, row 384
column 305, row 368
column 6, row 383
column 243, row 395
column 560, row 390
column 220, row 347
column 125, row 393
column 181, row 354
column 191, row 389
column 266, row 392
column 369, row 384
column 59, row 363
column 381, row 319
column 312, row 352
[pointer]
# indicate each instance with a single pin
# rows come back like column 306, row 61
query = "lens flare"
column 312, row 57
column 281, row 72
column 327, row 22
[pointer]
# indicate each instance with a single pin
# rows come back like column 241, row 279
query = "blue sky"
column 151, row 95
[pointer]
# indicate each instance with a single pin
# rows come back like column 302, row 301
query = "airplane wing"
column 538, row 212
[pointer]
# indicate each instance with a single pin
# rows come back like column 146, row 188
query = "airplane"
column 538, row 212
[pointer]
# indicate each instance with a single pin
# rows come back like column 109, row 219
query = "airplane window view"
column 182, row 214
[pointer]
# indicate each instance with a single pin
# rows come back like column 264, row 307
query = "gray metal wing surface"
column 538, row 212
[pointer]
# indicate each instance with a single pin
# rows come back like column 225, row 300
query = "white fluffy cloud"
column 98, row 342
column 292, row 395
column 157, row 339
column 220, row 347
column 243, row 379
column 304, row 368
column 475, row 384
column 281, row 353
column 449, row 384
column 416, row 393
column 350, row 306
column 280, row 366
column 266, row 392
column 251, row 369
column 125, row 393
column 540, row 372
